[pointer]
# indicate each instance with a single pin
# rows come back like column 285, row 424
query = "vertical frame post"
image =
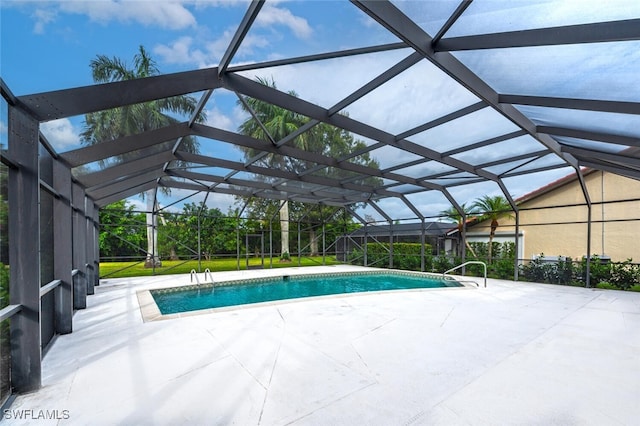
column 24, row 258
column 63, row 255
column 89, row 245
column 96, row 244
column 79, row 247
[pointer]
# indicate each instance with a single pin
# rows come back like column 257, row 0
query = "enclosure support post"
column 365, row 262
column 588, row 266
column 516, row 247
column 422, row 231
column 88, row 223
column 390, row 244
column 238, row 243
column 587, row 198
column 199, row 246
column 299, row 242
column 324, row 245
column 79, row 250
column 463, row 241
column 63, row 240
column 270, row 244
column 24, row 256
column 96, row 244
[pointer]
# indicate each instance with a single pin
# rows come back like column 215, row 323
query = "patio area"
column 511, row 353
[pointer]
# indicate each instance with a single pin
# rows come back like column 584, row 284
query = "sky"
column 48, row 45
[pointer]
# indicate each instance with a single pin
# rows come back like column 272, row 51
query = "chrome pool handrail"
column 477, row 262
column 194, row 274
column 207, row 272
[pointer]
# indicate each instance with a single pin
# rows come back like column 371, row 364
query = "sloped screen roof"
column 454, row 95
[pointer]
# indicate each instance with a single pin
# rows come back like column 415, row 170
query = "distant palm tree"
column 105, row 126
column 278, row 122
column 453, row 214
column 492, row 208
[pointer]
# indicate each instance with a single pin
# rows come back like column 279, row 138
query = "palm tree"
column 492, row 208
column 453, row 214
column 104, row 126
column 278, row 122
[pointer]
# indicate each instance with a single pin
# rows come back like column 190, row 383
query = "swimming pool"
column 233, row 293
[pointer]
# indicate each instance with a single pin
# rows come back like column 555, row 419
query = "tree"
column 322, row 138
column 278, row 122
column 180, row 236
column 492, row 208
column 109, row 125
column 453, row 214
column 122, row 230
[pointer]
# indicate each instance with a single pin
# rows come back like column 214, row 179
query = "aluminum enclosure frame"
column 80, row 195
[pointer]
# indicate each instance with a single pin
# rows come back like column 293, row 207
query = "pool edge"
column 150, row 312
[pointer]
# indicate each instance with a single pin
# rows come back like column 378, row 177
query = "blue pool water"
column 176, row 300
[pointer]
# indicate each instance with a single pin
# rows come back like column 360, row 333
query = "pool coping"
column 150, row 311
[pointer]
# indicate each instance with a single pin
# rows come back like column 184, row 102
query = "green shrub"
column 443, row 263
column 606, row 286
column 635, row 287
column 624, row 274
column 4, row 285
column 405, row 255
column 560, row 272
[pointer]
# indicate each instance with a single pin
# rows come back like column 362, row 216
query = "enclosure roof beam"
column 318, row 57
column 382, row 212
column 442, row 120
column 589, row 135
column 112, row 198
column 260, row 185
column 242, row 30
column 284, row 100
column 118, row 171
column 172, row 183
column 242, row 140
column 452, row 20
column 395, row 70
column 108, row 149
column 82, row 100
column 412, row 207
column 599, row 32
column 124, row 184
column 619, row 107
column 484, row 143
column 613, row 168
column 268, row 171
column 387, row 15
column 591, row 154
column 354, row 214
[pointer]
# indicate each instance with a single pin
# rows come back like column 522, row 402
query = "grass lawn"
column 137, row 269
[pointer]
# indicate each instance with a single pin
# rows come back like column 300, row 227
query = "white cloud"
column 271, row 15
column 166, row 14
column 184, row 51
column 217, row 118
column 180, row 52
column 61, row 134
column 42, row 18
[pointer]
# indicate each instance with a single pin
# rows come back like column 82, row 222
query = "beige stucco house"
column 553, row 219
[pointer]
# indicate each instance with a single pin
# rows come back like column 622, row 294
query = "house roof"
column 406, row 229
column 568, row 179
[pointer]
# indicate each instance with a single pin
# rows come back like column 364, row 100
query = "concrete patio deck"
column 513, row 353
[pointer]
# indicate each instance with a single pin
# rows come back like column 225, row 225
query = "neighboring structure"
column 554, row 219
column 435, row 234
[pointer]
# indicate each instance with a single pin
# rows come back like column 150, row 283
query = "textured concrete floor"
column 513, row 353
